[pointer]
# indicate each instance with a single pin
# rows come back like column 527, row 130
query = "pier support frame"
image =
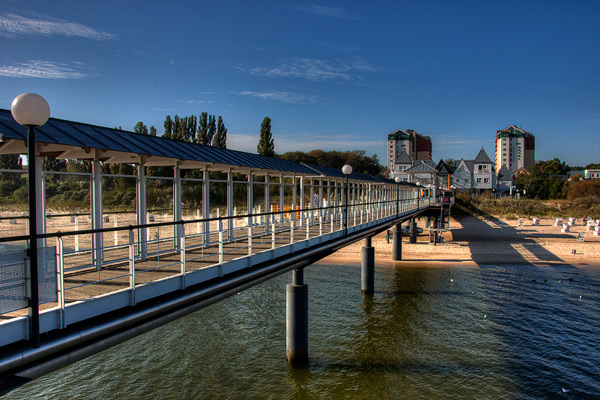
column 367, row 268
column 297, row 319
column 397, row 243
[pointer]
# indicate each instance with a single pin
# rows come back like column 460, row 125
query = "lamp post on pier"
column 31, row 110
column 347, row 170
column 397, row 195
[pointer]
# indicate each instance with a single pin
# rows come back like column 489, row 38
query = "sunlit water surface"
column 496, row 332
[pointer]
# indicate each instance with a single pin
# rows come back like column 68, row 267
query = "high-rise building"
column 515, row 149
column 416, row 146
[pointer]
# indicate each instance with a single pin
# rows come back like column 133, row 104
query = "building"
column 475, row 175
column 503, row 181
column 515, row 148
column 444, row 175
column 591, row 174
column 416, row 146
column 423, row 173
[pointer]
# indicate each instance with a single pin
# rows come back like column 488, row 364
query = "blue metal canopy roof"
column 68, row 133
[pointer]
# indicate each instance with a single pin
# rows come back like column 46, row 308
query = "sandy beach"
column 472, row 241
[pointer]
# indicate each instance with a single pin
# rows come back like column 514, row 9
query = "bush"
column 584, row 189
column 9, row 186
column 21, row 195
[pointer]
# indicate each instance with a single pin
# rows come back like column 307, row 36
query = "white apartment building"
column 515, row 148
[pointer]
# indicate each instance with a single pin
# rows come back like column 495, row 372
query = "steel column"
column 413, row 230
column 367, row 268
column 397, row 243
column 297, row 319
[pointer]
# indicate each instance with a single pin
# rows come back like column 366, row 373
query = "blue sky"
column 331, row 75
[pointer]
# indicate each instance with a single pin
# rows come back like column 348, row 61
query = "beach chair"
column 571, row 221
column 581, row 237
column 565, row 228
column 535, row 221
column 558, row 222
column 520, row 221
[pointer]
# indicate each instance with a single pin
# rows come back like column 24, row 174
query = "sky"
column 333, row 75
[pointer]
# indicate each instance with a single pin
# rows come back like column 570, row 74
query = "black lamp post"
column 31, row 110
column 347, row 170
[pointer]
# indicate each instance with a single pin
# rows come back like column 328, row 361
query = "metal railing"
column 155, row 251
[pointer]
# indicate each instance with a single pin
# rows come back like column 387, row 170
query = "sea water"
column 489, row 332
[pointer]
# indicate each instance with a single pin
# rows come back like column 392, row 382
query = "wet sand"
column 472, row 241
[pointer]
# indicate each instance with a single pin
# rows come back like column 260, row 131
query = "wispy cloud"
column 328, row 12
column 44, row 70
column 195, row 101
column 14, row 25
column 284, row 97
column 443, row 141
column 315, row 70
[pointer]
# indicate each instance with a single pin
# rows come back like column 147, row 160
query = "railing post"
column 220, row 223
column 61, row 280
column 292, row 226
column 116, row 225
column 332, row 221
column 181, row 234
column 132, row 266
column 250, row 233
column 76, row 236
column 307, row 222
column 321, row 222
column 198, row 223
column 273, row 235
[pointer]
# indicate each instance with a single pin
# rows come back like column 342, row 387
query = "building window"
column 478, row 180
column 486, row 180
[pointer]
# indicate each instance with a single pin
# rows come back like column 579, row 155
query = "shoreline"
column 472, row 242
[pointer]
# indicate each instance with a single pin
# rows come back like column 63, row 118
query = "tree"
column 140, row 128
column 10, row 161
column 191, row 129
column 544, row 180
column 266, row 145
column 152, row 131
column 168, row 127
column 220, row 139
column 592, row 166
column 451, row 164
column 206, row 129
column 335, row 159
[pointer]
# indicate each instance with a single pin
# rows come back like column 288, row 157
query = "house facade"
column 475, row 175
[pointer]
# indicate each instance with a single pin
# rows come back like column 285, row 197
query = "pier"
column 101, row 285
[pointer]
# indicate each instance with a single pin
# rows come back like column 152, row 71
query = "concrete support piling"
column 413, row 231
column 397, row 243
column 367, row 268
column 297, row 319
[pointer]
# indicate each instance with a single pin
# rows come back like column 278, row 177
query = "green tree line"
column 548, row 180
